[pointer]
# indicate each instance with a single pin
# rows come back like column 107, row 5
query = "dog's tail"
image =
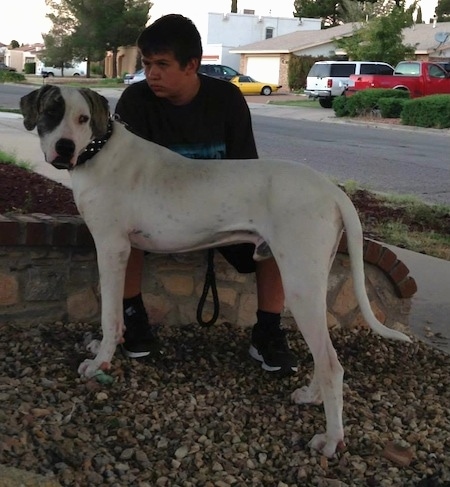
column 354, row 233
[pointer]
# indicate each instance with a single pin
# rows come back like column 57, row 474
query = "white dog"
column 132, row 192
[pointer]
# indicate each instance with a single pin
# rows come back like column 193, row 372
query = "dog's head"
column 67, row 120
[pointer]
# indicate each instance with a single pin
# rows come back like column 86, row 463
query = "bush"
column 391, row 107
column 30, row 68
column 11, row 77
column 298, row 70
column 428, row 111
column 340, row 106
column 96, row 69
column 366, row 102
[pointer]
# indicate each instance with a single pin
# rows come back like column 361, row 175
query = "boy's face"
column 167, row 79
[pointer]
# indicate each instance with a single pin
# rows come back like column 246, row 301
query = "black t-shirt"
column 216, row 124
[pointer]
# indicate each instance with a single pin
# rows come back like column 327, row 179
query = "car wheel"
column 326, row 102
column 76, row 74
column 51, row 74
column 266, row 91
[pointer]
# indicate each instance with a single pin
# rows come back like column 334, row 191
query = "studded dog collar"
column 96, row 145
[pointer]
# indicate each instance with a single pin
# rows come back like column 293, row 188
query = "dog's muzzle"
column 65, row 148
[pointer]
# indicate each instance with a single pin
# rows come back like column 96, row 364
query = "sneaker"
column 140, row 340
column 272, row 350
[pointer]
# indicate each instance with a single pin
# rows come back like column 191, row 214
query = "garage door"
column 266, row 69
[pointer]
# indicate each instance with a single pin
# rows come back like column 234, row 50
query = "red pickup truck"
column 420, row 78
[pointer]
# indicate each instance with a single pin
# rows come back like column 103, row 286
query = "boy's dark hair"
column 172, row 33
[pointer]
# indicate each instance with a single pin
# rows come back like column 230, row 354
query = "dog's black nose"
column 65, row 147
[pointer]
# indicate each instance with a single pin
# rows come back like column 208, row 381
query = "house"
column 18, row 57
column 225, row 32
column 431, row 42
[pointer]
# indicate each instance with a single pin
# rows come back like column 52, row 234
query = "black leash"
column 210, row 282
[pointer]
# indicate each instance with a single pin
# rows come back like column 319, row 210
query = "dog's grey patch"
column 51, row 112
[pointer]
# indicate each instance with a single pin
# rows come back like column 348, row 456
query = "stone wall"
column 48, row 272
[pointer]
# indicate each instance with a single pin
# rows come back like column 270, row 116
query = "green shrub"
column 30, row 68
column 427, row 111
column 11, row 77
column 391, row 107
column 366, row 102
column 96, row 69
column 340, row 106
column 298, row 70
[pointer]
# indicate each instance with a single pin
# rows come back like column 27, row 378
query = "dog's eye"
column 83, row 119
column 51, row 113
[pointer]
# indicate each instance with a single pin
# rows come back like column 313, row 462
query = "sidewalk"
column 430, row 306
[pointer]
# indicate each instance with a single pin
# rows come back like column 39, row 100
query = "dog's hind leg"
column 308, row 306
column 112, row 257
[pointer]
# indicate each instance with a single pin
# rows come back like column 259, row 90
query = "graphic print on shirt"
column 201, row 151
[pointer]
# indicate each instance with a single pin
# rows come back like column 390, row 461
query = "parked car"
column 131, row 78
column 72, row 70
column 4, row 67
column 250, row 86
column 328, row 79
column 218, row 71
column 418, row 78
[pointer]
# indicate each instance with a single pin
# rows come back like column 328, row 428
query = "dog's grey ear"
column 99, row 107
column 29, row 106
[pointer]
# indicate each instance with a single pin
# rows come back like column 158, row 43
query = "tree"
column 14, row 44
column 335, row 12
column 117, row 25
column 381, row 39
column 442, row 11
column 91, row 27
column 233, row 6
column 59, row 51
column 328, row 10
column 419, row 19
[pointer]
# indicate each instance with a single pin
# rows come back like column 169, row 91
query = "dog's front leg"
column 112, row 258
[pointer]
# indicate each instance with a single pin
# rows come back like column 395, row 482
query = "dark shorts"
column 240, row 256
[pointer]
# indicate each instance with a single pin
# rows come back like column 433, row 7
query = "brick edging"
column 382, row 257
column 38, row 229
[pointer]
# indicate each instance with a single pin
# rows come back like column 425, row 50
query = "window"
column 436, row 72
column 367, row 68
column 269, row 32
column 342, row 70
column 408, row 69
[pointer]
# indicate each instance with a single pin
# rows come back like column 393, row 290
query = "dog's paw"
column 325, row 445
column 89, row 368
column 306, row 395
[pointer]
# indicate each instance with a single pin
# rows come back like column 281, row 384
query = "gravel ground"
column 208, row 416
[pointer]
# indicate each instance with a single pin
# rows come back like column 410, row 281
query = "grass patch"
column 301, row 102
column 91, row 82
column 400, row 235
column 8, row 158
column 11, row 110
column 403, row 220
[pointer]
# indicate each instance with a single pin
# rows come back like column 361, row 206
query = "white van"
column 328, row 79
column 75, row 69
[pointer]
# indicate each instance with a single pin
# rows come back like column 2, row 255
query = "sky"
column 25, row 20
